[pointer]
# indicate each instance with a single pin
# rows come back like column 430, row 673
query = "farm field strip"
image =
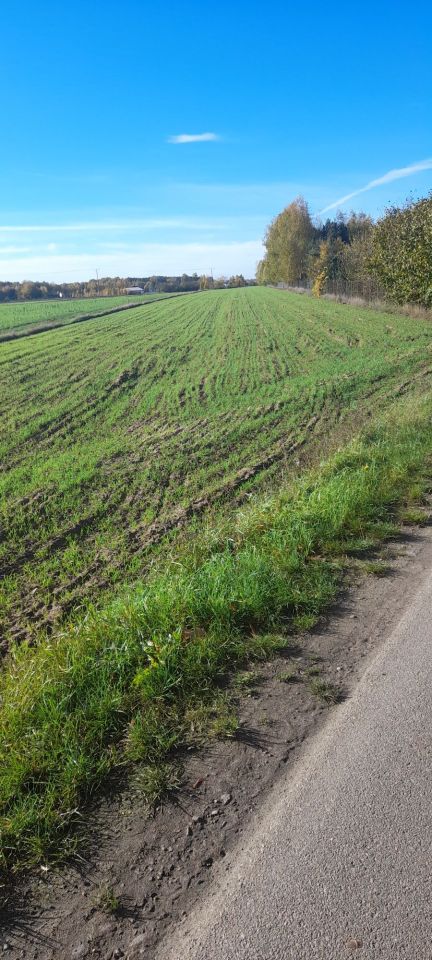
column 114, row 434
column 22, row 318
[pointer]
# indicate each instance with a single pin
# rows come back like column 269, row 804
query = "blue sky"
column 299, row 98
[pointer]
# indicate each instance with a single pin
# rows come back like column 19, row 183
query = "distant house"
column 134, row 290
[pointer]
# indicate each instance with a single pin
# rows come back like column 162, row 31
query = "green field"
column 22, row 317
column 182, row 486
column 118, row 432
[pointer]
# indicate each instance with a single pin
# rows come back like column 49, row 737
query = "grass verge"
column 142, row 677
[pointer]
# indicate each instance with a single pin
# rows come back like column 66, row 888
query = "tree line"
column 390, row 258
column 115, row 286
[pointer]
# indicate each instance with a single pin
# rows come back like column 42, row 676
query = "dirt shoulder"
column 143, row 873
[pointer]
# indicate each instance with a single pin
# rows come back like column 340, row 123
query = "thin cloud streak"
column 193, row 138
column 389, row 177
column 89, row 226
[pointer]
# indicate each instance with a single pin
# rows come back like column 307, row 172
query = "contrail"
column 386, row 178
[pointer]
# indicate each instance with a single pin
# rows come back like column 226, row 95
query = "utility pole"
column 97, row 282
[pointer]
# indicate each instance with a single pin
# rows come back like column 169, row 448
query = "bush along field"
column 130, row 679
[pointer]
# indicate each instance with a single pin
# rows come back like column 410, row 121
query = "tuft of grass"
column 313, row 671
column 129, row 682
column 290, row 676
column 304, row 622
column 265, row 646
column 414, row 517
column 376, row 568
column 107, row 901
column 323, row 690
column 209, row 719
column 246, row 680
column 156, row 781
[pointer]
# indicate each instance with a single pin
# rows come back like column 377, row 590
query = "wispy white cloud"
column 143, row 260
column 397, row 174
column 193, row 138
column 92, row 226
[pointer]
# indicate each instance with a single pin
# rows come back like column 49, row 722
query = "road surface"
column 340, row 863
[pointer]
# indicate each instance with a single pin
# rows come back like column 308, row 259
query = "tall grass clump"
column 122, row 684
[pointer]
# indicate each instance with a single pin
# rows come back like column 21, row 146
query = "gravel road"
column 340, row 863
